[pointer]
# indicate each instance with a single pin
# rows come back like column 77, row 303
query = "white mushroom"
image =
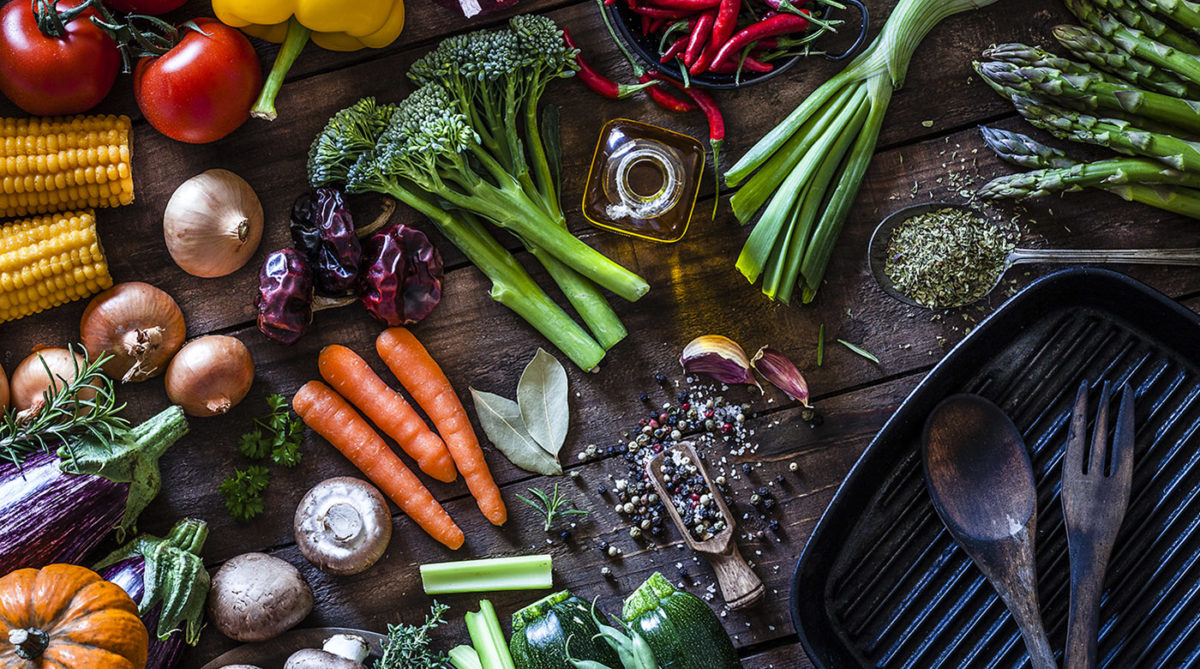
column 343, row 525
column 255, row 597
column 341, row 651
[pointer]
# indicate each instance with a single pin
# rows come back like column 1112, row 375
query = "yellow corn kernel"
column 49, row 260
column 64, row 164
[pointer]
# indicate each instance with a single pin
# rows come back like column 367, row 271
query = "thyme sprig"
column 551, row 505
column 63, row 416
column 410, row 645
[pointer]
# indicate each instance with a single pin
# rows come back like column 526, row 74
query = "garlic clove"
column 719, row 358
column 782, row 373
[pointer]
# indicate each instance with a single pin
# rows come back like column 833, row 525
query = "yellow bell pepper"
column 337, row 25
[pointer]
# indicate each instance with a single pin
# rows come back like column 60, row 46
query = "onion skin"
column 138, row 324
column 213, row 224
column 210, row 375
column 3, row 391
column 29, row 379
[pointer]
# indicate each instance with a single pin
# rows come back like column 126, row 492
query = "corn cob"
column 64, row 164
column 49, row 260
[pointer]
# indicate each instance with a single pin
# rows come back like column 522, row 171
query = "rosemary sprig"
column 550, row 505
column 64, row 417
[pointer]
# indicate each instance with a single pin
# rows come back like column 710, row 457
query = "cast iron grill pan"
column 882, row 583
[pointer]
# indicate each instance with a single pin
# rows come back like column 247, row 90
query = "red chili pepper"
column 786, row 6
column 751, row 64
column 662, row 97
column 598, row 82
column 780, row 24
column 687, row 5
column 646, row 24
column 674, row 50
column 656, row 25
column 701, row 32
column 723, row 29
column 659, row 13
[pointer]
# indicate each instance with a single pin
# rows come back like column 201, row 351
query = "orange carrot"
column 354, row 380
column 333, row 418
column 428, row 385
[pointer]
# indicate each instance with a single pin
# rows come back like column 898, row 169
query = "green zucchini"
column 681, row 629
column 541, row 630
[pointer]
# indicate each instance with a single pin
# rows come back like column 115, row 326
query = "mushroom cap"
column 255, row 597
column 343, row 525
column 315, row 658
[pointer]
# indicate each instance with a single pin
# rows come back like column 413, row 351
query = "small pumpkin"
column 64, row 615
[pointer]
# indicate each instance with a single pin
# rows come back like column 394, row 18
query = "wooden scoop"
column 740, row 586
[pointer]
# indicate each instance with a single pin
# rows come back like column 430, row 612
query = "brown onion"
column 140, row 326
column 3, row 391
column 213, row 224
column 30, row 381
column 210, row 375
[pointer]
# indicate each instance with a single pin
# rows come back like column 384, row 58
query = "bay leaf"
column 501, row 421
column 542, row 396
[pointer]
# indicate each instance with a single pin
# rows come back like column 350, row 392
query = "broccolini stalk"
column 1090, row 92
column 1133, row 179
column 1102, row 53
column 350, row 137
column 495, row 79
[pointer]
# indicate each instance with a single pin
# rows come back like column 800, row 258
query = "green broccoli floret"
column 349, row 134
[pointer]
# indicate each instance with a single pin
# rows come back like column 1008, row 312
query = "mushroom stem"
column 350, row 646
column 343, row 521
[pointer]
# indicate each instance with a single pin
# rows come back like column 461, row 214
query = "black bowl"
column 628, row 26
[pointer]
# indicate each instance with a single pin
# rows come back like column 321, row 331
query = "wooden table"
column 929, row 150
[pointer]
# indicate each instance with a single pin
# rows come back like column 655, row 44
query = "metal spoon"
column 979, row 476
column 877, row 252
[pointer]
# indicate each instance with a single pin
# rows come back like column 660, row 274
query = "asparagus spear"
column 1120, row 136
column 1090, row 92
column 1136, row 42
column 1022, row 150
column 1127, row 12
column 1096, row 50
column 1186, row 14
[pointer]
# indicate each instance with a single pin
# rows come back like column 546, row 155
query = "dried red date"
column 323, row 230
column 285, row 295
column 401, row 280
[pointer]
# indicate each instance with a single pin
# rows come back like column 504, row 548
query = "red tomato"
column 50, row 76
column 203, row 88
column 152, row 7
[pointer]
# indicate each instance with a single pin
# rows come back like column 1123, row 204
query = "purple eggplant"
column 167, row 579
column 57, row 507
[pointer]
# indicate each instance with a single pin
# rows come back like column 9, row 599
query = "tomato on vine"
column 54, row 59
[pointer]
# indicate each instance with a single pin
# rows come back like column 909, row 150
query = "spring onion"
column 525, row 572
column 806, row 172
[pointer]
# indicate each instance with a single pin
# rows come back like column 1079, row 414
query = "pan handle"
column 862, row 32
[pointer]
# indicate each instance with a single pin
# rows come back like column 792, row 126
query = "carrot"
column 333, row 418
column 354, row 380
column 428, row 385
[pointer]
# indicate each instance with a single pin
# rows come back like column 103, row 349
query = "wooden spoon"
column 740, row 586
column 979, row 476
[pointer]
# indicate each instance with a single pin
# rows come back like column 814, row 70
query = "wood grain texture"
column 930, row 151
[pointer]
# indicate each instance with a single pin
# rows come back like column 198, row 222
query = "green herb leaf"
column 286, row 453
column 502, row 422
column 542, row 397
column 408, row 646
column 254, row 445
column 859, row 350
column 821, row 345
column 551, row 505
column 243, row 492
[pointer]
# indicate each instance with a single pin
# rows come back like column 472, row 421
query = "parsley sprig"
column 243, row 492
column 277, row 437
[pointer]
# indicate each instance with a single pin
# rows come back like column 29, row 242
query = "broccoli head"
column 351, row 133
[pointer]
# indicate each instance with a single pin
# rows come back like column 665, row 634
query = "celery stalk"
column 465, row 657
column 526, row 572
column 488, row 638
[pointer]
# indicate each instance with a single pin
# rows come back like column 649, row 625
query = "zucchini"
column 541, row 630
column 681, row 629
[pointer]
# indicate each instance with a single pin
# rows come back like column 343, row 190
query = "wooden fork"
column 1095, row 494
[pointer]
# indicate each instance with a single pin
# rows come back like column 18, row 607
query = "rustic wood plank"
column 790, row 656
